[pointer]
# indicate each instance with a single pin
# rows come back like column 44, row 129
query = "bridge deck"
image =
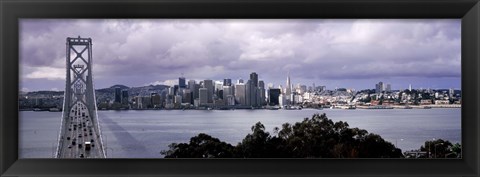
column 79, row 130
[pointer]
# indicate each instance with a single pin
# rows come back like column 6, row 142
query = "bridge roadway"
column 78, row 131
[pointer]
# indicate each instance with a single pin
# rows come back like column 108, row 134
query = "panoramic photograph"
column 240, row 88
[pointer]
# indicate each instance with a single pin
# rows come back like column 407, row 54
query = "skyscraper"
column 389, row 88
column 191, row 84
column 208, row 84
column 254, row 79
column 379, row 87
column 124, row 96
column 273, row 95
column 181, row 82
column 288, row 87
column 118, row 97
column 203, row 95
column 248, row 93
column 240, row 93
column 261, row 89
column 227, row 82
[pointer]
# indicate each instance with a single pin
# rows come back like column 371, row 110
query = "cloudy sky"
column 335, row 53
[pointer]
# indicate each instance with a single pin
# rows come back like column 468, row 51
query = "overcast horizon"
column 343, row 53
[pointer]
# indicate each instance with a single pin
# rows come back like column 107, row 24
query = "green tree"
column 316, row 137
column 200, row 146
column 437, row 148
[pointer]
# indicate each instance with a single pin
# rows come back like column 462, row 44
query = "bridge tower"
column 80, row 134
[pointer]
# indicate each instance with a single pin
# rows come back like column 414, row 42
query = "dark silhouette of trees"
column 200, row 146
column 316, row 137
column 442, row 149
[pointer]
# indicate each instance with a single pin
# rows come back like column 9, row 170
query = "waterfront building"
column 208, row 84
column 273, row 96
column 171, row 91
column 262, row 96
column 240, row 92
column 187, row 96
column 125, row 97
column 240, row 81
column 230, row 100
column 389, row 88
column 379, row 87
column 178, row 101
column 156, row 100
column 118, row 97
column 139, row 102
column 451, row 93
column 254, row 79
column 146, row 102
column 227, row 90
column 175, row 90
column 282, row 101
column 203, row 96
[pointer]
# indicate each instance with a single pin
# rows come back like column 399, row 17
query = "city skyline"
column 335, row 53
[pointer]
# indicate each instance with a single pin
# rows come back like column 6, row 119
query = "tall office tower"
column 258, row 96
column 388, row 88
column 139, row 102
column 203, row 95
column 261, row 86
column 208, row 84
column 410, row 87
column 175, row 90
column 240, row 81
column 273, row 95
column 178, row 101
column 181, row 82
column 187, row 96
column 379, row 87
column 171, row 91
column 282, row 101
column 218, row 93
column 195, row 91
column 118, row 97
column 248, row 93
column 227, row 90
column 156, row 100
column 240, row 92
column 251, row 92
column 288, row 87
column 451, row 92
column 254, row 79
column 191, row 84
column 125, row 97
column 227, row 82
column 147, row 101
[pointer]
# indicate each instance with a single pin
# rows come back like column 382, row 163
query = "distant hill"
column 120, row 86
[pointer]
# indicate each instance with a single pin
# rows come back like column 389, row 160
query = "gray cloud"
column 136, row 52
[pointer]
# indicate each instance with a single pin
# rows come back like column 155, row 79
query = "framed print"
column 239, row 88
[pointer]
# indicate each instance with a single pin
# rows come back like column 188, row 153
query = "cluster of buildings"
column 249, row 94
column 254, row 94
column 206, row 94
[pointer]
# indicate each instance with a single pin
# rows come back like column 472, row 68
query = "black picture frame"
column 12, row 10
